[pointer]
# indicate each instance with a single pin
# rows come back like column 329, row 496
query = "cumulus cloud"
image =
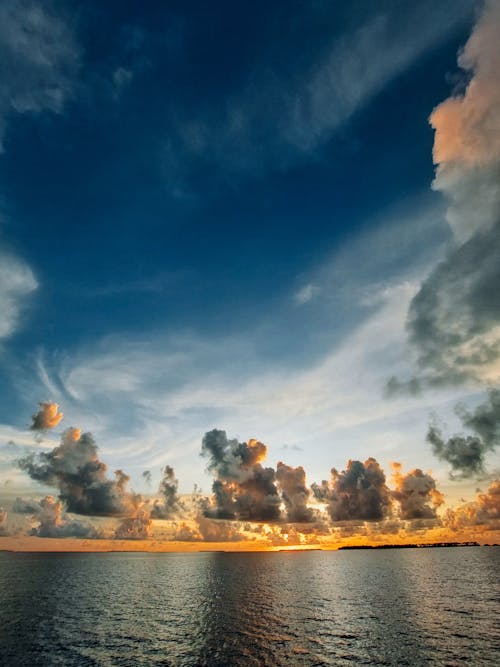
column 483, row 512
column 39, row 58
column 75, row 469
column 54, row 523
column 416, row 493
column 243, row 489
column 17, row 282
column 358, row 493
column 295, row 494
column 466, row 453
column 47, row 417
column 169, row 504
column 454, row 319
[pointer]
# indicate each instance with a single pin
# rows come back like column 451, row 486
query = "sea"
column 370, row 607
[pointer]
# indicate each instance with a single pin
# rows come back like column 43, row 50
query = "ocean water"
column 392, row 607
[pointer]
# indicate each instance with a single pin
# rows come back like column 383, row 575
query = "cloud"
column 306, row 294
column 285, row 114
column 454, row 319
column 243, row 489
column 416, row 494
column 210, row 530
column 47, row 417
column 138, row 527
column 169, row 505
column 146, row 476
column 53, row 522
column 17, row 282
column 295, row 494
column 3, row 523
column 483, row 512
column 25, row 506
column 40, row 59
column 357, row 493
column 466, row 454
column 75, row 469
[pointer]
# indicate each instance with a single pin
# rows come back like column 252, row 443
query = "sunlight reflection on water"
column 397, row 607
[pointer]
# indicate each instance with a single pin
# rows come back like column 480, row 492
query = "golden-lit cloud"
column 47, row 417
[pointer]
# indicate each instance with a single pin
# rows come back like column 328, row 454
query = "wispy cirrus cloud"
column 17, row 283
column 277, row 119
column 40, row 58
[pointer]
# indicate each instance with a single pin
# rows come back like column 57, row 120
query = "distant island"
column 415, row 546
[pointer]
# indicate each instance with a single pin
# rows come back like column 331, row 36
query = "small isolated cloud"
column 306, row 294
column 47, row 417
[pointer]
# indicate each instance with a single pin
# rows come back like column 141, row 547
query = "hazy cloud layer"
column 3, row 523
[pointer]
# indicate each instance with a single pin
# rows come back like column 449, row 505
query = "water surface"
column 392, row 607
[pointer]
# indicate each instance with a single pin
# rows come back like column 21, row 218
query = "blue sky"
column 217, row 215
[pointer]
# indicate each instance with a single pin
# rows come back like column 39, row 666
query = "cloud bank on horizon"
column 301, row 357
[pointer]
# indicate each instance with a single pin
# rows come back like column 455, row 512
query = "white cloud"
column 40, row 59
column 16, row 283
column 305, row 294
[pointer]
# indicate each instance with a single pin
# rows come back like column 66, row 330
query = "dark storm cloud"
column 295, row 494
column 169, row 505
column 53, row 522
column 357, row 493
column 416, row 494
column 243, row 489
column 466, row 453
column 75, row 469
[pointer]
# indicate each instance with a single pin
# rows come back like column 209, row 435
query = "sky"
column 251, row 252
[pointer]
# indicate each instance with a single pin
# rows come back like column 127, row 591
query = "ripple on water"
column 402, row 607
